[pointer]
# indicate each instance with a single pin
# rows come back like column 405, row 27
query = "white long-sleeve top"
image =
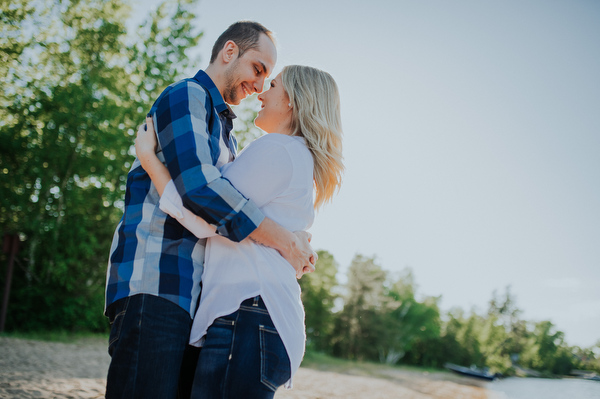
column 276, row 172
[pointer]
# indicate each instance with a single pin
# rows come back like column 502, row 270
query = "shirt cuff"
column 248, row 217
column 170, row 201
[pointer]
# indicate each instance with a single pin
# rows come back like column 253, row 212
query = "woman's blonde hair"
column 315, row 102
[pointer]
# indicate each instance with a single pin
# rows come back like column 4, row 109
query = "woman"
column 250, row 321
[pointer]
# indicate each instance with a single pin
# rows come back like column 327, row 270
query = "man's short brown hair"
column 244, row 34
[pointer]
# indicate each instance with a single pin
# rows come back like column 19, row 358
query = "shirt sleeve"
column 262, row 171
column 181, row 116
column 170, row 203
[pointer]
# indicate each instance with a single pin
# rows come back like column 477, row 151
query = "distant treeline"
column 375, row 316
column 74, row 85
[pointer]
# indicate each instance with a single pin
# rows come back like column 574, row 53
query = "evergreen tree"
column 358, row 327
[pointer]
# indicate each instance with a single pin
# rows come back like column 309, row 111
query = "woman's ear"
column 230, row 51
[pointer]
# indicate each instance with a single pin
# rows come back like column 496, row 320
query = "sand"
column 35, row 369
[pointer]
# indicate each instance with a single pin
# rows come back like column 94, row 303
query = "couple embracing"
column 210, row 244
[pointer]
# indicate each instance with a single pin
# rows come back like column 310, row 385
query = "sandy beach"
column 36, row 369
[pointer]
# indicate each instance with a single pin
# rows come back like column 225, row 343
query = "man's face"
column 246, row 74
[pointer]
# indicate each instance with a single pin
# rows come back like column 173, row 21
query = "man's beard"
column 230, row 94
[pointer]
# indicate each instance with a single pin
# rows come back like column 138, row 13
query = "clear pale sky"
column 472, row 142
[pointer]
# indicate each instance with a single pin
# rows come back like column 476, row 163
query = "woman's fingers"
column 150, row 122
column 145, row 141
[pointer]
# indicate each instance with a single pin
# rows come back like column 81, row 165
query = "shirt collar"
column 228, row 113
column 218, row 102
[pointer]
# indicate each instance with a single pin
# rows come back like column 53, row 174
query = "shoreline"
column 314, row 384
column 39, row 369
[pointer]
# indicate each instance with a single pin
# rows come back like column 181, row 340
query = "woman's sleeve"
column 262, row 171
column 171, row 203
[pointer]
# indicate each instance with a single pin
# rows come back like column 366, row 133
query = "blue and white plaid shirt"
column 151, row 252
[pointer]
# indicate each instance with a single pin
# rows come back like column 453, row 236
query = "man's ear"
column 230, row 51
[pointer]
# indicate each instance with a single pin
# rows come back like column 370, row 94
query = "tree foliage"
column 381, row 319
column 357, row 327
column 319, row 293
column 408, row 321
column 74, row 88
column 244, row 129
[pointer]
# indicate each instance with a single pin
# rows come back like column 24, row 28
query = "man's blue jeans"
column 147, row 341
column 242, row 357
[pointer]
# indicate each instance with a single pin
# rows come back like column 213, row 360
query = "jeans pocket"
column 116, row 316
column 275, row 368
column 219, row 335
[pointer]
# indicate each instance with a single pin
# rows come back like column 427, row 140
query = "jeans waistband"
column 255, row 302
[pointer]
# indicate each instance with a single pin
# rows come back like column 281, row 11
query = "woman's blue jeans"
column 242, row 357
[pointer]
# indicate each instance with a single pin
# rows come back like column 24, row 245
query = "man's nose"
column 258, row 87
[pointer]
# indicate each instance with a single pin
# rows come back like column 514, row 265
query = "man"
column 155, row 267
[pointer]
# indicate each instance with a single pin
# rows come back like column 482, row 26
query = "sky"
column 471, row 142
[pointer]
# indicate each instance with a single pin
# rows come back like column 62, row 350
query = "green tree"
column 407, row 321
column 547, row 351
column 381, row 318
column 500, row 336
column 244, row 129
column 358, row 326
column 75, row 88
column 487, row 340
column 467, row 336
column 587, row 358
column 318, row 296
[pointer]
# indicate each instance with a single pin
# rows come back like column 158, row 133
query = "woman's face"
column 275, row 113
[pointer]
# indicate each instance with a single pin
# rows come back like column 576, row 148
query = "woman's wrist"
column 144, row 159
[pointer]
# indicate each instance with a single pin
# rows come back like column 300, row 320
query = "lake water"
column 540, row 388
